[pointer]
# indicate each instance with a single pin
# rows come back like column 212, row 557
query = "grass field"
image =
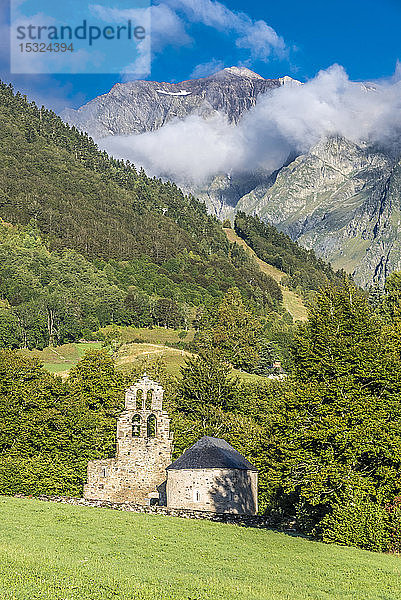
column 61, row 552
column 291, row 301
column 62, row 358
column 173, row 358
column 154, row 335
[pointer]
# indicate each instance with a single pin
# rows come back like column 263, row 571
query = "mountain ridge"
column 88, row 240
column 142, row 106
column 337, row 200
column 340, row 198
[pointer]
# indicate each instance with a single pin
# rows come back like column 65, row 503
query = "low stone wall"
column 258, row 521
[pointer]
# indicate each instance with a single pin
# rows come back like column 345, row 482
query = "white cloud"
column 165, row 26
column 291, row 119
column 171, row 19
column 257, row 37
column 331, row 104
column 261, row 40
column 168, row 29
column 208, row 68
column 141, row 66
column 180, row 147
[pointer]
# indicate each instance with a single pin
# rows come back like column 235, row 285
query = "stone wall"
column 144, row 450
column 136, row 477
column 218, row 490
column 258, row 521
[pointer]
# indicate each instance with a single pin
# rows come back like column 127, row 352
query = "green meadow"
column 149, row 344
column 62, row 358
column 60, row 552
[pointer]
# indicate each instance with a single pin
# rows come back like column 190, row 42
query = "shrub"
column 394, row 512
column 361, row 522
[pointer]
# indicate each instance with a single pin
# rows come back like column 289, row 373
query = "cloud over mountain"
column 288, row 119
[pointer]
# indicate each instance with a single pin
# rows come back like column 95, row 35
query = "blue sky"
column 274, row 39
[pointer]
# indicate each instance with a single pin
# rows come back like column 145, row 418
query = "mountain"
column 137, row 107
column 341, row 199
column 223, row 193
column 101, row 243
column 87, row 240
column 140, row 106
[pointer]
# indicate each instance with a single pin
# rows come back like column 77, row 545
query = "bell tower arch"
column 144, row 407
column 144, row 450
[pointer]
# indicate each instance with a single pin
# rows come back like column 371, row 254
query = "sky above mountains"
column 193, row 38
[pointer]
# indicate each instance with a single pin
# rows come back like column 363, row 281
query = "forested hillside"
column 304, row 270
column 101, row 243
column 87, row 241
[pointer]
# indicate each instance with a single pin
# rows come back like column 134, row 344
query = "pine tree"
column 266, row 358
column 234, row 332
column 341, row 338
column 205, row 382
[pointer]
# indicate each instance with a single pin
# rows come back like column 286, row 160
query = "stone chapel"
column 210, row 476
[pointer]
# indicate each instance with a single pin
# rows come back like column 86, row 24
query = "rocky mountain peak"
column 288, row 81
column 340, row 198
column 238, row 72
column 140, row 106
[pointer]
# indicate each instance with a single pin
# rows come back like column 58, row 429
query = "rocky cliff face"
column 342, row 200
column 224, row 192
column 140, row 106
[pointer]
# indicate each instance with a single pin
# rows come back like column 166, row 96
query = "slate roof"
column 211, row 453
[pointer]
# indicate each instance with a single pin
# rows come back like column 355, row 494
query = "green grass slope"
column 292, row 302
column 152, row 335
column 304, row 272
column 61, row 358
column 61, row 552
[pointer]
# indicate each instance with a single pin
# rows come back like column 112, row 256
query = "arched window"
column 136, row 426
column 151, row 426
column 139, row 400
column 148, row 403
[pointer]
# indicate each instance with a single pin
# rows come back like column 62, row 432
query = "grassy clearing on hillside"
column 294, row 305
column 61, row 552
column 62, row 358
column 249, row 377
column 152, row 335
column 291, row 301
column 173, row 358
column 268, row 269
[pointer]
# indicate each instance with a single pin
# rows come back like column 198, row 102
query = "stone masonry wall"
column 218, row 490
column 132, row 478
column 258, row 521
column 144, row 450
